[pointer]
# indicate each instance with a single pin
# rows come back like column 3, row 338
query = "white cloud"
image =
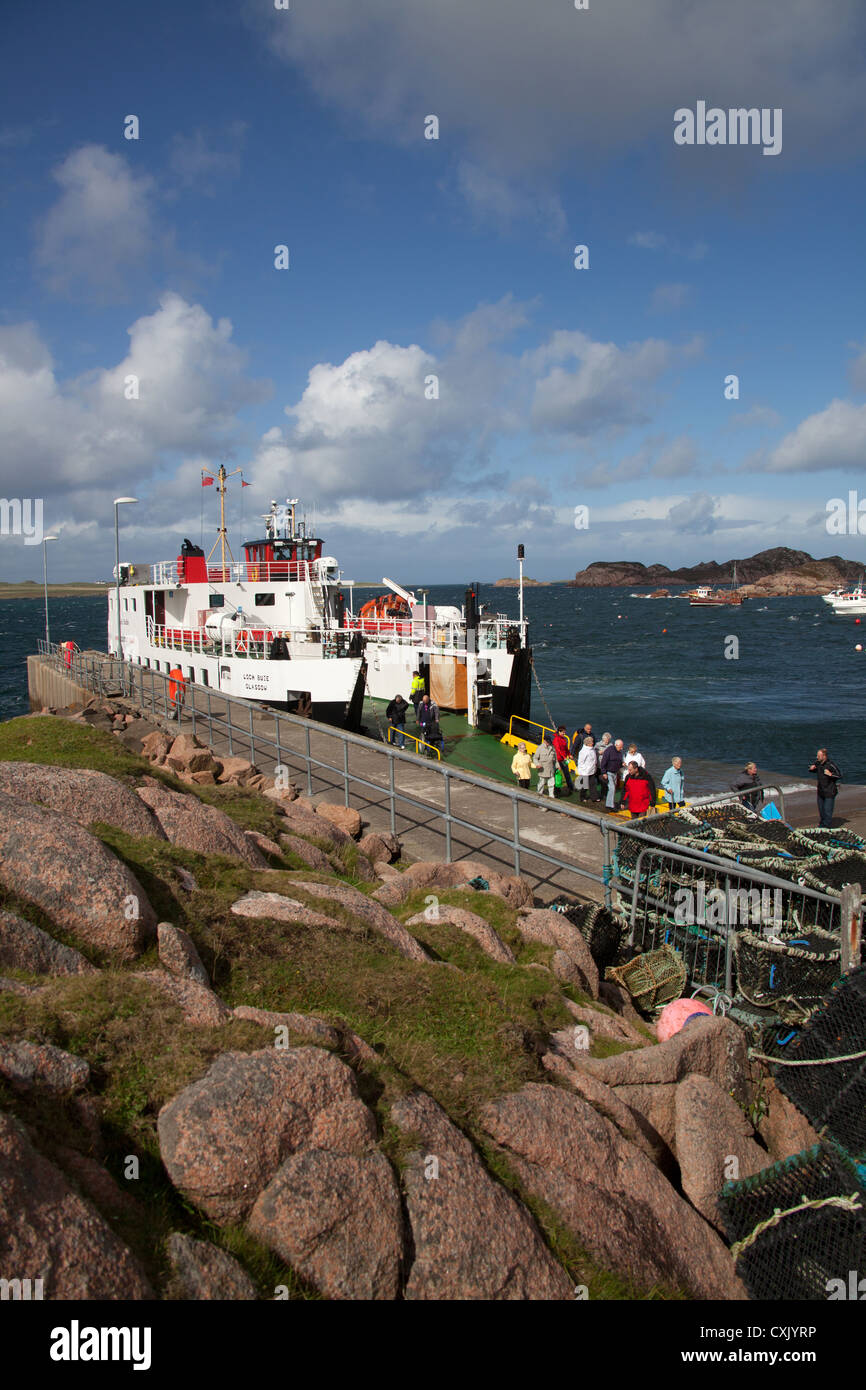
column 492, row 197
column 659, row 241
column 832, row 438
column 83, row 437
column 199, row 161
column 696, row 514
column 666, row 299
column 609, row 387
column 757, row 417
column 525, row 87
column 99, row 235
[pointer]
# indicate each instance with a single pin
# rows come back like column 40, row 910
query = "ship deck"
column 470, row 750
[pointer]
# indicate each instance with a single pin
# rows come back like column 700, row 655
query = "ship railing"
column 252, row 643
column 166, row 573
column 491, row 635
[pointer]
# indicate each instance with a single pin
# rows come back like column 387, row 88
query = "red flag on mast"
column 243, row 484
column 206, row 482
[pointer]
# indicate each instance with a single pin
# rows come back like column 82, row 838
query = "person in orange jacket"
column 176, row 690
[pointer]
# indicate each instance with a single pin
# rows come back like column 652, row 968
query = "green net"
column 798, row 1227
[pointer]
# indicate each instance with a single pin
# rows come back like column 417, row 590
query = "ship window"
column 265, row 600
column 217, row 600
column 132, row 601
column 203, row 680
column 125, row 605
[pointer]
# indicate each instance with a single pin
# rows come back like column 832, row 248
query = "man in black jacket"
column 828, row 777
column 748, row 779
column 396, row 717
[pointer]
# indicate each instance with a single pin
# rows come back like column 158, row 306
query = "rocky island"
column 771, row 573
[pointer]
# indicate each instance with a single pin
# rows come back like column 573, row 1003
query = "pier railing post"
column 252, row 738
column 309, row 763
column 729, row 962
column 606, row 868
column 277, row 748
column 346, row 770
column 392, row 797
column 516, row 808
column 447, row 816
column 850, row 924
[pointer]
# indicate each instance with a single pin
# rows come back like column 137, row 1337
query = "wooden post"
column 851, row 927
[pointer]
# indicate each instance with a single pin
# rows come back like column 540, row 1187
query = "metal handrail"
column 418, row 742
column 90, row 673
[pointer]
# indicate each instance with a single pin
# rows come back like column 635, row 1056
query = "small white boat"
column 854, row 601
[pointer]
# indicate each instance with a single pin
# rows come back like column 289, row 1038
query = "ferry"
column 280, row 627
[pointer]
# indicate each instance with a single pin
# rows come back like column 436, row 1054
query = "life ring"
column 253, row 572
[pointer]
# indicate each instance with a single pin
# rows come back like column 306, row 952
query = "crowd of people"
column 606, row 771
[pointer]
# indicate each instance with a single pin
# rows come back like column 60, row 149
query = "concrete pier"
column 545, row 826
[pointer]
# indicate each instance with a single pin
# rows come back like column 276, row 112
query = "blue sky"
column 410, row 258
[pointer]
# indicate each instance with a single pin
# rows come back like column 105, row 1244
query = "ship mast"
column 222, row 538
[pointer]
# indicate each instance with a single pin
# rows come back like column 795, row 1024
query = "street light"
column 117, row 503
column 45, row 540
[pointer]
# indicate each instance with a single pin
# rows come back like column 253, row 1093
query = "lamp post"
column 45, row 540
column 117, row 503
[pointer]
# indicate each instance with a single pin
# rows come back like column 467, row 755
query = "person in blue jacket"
column 674, row 783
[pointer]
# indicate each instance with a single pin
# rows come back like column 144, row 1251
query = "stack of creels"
column 832, row 1094
column 602, row 931
column 797, row 1229
column 790, row 977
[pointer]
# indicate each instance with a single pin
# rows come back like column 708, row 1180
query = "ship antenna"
column 222, row 540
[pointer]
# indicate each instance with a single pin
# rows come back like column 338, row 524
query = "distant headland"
column 770, row 573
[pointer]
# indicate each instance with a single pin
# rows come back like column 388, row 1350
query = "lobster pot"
column 703, row 951
column 448, row 682
column 828, row 838
column 798, row 1256
column 652, row 979
column 833, row 1095
column 790, row 979
column 602, row 932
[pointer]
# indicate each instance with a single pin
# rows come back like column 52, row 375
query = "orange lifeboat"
column 387, row 613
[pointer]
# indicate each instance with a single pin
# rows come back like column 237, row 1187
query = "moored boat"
column 279, row 627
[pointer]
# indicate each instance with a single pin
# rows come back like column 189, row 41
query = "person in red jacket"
column 561, row 749
column 636, row 792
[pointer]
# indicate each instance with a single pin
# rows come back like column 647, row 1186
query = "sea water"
column 652, row 671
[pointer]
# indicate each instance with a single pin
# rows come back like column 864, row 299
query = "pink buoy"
column 674, row 1015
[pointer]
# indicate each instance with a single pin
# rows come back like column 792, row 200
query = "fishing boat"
column 705, row 597
column 279, row 627
column 853, row 601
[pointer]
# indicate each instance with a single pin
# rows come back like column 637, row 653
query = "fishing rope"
column 807, row 1061
column 851, row 1203
column 541, row 693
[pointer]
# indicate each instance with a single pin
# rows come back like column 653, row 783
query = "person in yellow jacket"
column 416, row 690
column 521, row 766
